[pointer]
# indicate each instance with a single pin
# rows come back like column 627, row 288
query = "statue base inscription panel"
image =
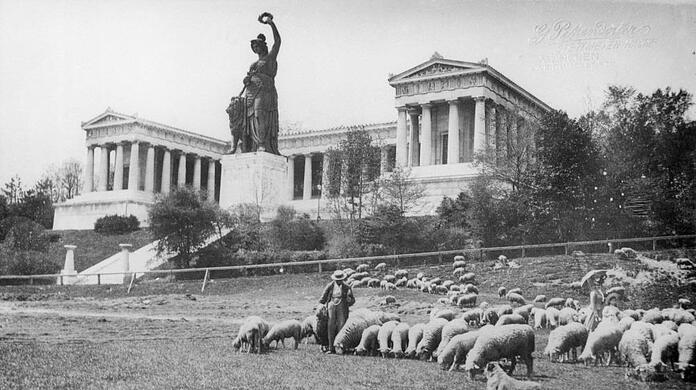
column 256, row 178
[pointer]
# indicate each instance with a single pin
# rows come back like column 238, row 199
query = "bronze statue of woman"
column 261, row 95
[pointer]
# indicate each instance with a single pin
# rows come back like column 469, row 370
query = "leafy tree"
column 13, row 190
column 182, row 222
column 35, row 206
column 292, row 232
column 454, row 212
column 398, row 189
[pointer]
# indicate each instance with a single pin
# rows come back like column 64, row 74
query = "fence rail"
column 396, row 258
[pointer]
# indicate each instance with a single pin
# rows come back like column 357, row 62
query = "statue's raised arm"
column 267, row 18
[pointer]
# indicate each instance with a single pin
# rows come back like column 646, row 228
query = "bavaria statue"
column 254, row 113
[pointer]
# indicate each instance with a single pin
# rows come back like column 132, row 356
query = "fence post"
column 566, row 248
column 319, row 267
column 654, row 245
column 611, row 247
column 130, row 286
column 481, row 255
column 61, row 280
column 439, row 257
column 98, row 279
column 397, row 260
column 31, row 281
column 205, row 279
column 523, row 252
column 125, row 262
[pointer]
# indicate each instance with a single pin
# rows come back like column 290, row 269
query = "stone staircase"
column 140, row 260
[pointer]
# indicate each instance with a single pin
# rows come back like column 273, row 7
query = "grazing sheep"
column 402, row 273
column 401, row 282
column 455, row 288
column 450, row 330
column 321, row 330
column 384, row 337
column 468, row 277
column 381, row 266
column 605, row 338
column 373, row 283
column 389, row 278
column 524, row 310
column 687, row 355
column 503, row 309
column 665, row 350
column 625, row 323
column 349, row 336
column 540, row 298
column 420, row 276
column 444, row 301
column 436, row 281
column 251, row 334
column 467, row 300
column 652, row 316
column 629, row 313
column 389, row 299
column 644, row 329
column 618, row 290
column 666, row 327
column 308, row 326
column 567, row 315
column 458, row 347
column 564, row 340
column 575, row 285
column 679, row 316
column 360, row 275
column 610, row 311
column 552, row 316
column 472, row 316
column 507, row 319
column 508, row 341
column 515, row 290
column 442, row 313
column 368, row 341
column 502, row 291
column 634, row 347
column 490, row 316
column 415, row 334
column 432, row 332
column 554, row 302
column 496, row 378
column 390, row 286
column 399, row 339
column 412, row 283
column 539, row 318
column 470, row 288
column 684, row 303
column 440, row 290
column 459, row 263
column 459, row 271
column 362, row 268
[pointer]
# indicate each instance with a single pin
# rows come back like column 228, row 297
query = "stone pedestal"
column 69, row 267
column 256, row 178
column 125, row 261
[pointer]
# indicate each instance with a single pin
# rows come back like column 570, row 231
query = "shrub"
column 116, row 224
column 26, row 262
column 288, row 231
column 26, row 235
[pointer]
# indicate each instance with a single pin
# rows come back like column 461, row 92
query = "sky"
column 178, row 62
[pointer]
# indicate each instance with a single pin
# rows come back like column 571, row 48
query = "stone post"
column 118, row 168
column 291, row 177
column 150, row 169
column 166, row 171
column 89, row 170
column 197, row 173
column 134, row 170
column 69, row 266
column 181, row 179
column 480, row 125
column 211, row 180
column 426, row 136
column 125, row 261
column 453, row 133
column 414, row 143
column 104, row 168
column 401, row 135
column 307, row 189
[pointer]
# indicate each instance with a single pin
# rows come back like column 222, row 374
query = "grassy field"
column 170, row 335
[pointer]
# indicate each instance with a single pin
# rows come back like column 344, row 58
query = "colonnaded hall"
column 446, row 111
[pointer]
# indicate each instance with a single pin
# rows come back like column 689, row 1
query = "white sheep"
column 564, row 340
column 251, row 333
column 384, row 337
column 308, row 327
column 555, row 302
column 362, row 268
column 402, row 273
column 679, row 316
column 508, row 341
column 502, row 291
column 643, row 328
column 516, row 298
column 541, row 298
column 472, row 316
column 605, row 338
column 368, row 341
column 572, row 303
column 420, row 276
column 349, row 336
column 454, row 353
column 401, row 282
column 412, row 283
column 489, row 316
column 432, row 332
column 445, row 313
column 467, row 300
column 415, row 334
column 390, row 286
column 567, row 315
column 687, row 351
column 507, row 319
column 539, row 318
column 455, row 288
column 399, row 339
column 451, row 329
column 665, row 350
column 459, row 271
column 468, row 277
column 515, row 290
column 634, row 347
column 552, row 315
column 684, row 303
column 381, row 266
column 625, row 323
column 496, row 378
column 653, row 316
column 444, row 301
column 373, row 283
column 524, row 311
column 664, row 328
column 629, row 313
column 610, row 311
column 459, row 262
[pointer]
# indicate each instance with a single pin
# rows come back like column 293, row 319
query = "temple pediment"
column 435, row 67
column 108, row 117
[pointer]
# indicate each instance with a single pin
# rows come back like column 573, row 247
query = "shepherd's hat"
column 338, row 275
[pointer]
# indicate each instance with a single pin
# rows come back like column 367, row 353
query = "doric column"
column 480, row 125
column 291, row 177
column 150, row 169
column 414, row 155
column 197, row 173
column 453, row 133
column 383, row 159
column 104, row 168
column 89, row 170
column 401, row 135
column 325, row 162
column 134, row 170
column 166, row 171
column 426, row 136
column 118, row 168
column 181, row 179
column 307, row 189
column 492, row 128
column 211, row 180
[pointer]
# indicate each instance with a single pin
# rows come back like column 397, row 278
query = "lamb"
column 458, row 347
column 473, row 316
column 507, row 319
column 368, row 341
column 567, row 315
column 508, row 341
column 540, row 298
column 384, row 337
column 502, row 291
column 554, row 302
column 665, row 350
column 450, row 330
column 432, row 332
column 605, row 338
column 399, row 339
column 686, row 346
column 496, row 378
column 552, row 315
column 251, row 333
column 634, row 347
column 572, row 303
column 564, row 340
column 389, row 299
column 539, row 318
column 467, row 300
column 415, row 334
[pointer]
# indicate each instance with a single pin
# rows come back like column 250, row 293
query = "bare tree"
column 71, row 178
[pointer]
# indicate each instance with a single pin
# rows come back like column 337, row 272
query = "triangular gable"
column 108, row 117
column 435, row 66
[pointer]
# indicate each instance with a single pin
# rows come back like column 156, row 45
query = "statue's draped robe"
column 262, row 105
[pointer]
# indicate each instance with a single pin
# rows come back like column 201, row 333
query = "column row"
column 157, row 170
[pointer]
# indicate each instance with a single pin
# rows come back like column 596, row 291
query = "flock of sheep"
column 648, row 341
